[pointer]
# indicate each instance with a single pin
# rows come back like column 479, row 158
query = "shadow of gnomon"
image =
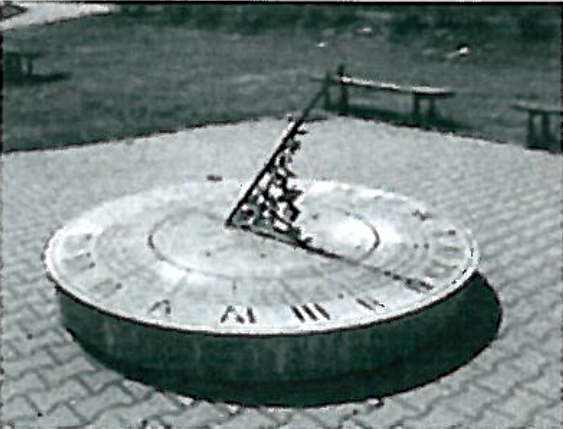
column 472, row 329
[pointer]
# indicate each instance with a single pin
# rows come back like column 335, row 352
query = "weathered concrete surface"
column 509, row 197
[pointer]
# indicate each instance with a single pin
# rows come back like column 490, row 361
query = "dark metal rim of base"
column 255, row 360
column 436, row 300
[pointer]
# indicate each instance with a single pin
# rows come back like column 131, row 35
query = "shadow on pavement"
column 474, row 328
column 35, row 79
column 440, row 123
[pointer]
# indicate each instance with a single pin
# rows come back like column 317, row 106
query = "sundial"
column 281, row 279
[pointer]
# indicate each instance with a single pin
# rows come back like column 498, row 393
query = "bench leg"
column 416, row 101
column 343, row 105
column 14, row 66
column 432, row 111
column 326, row 92
column 28, row 67
column 531, row 137
column 545, row 129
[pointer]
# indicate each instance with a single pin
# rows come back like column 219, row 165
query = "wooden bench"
column 420, row 94
column 544, row 138
column 18, row 65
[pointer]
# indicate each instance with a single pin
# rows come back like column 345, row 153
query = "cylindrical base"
column 275, row 358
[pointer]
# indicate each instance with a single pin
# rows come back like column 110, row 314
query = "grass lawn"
column 130, row 76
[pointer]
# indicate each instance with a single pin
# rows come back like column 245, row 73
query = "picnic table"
column 544, row 137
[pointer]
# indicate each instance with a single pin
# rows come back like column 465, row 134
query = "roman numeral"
column 370, row 303
column 422, row 216
column 81, row 261
column 106, row 288
column 418, row 286
column 310, row 312
column 238, row 314
column 160, row 309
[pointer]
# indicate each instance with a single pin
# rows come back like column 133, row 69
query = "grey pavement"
column 510, row 197
column 38, row 13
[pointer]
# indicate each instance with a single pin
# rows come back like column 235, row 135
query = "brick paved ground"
column 509, row 197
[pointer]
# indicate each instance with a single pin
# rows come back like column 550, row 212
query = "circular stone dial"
column 165, row 258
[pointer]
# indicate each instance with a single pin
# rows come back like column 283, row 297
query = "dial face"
column 164, row 258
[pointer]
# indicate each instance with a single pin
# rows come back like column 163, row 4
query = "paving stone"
column 28, row 346
column 199, row 414
column 334, row 415
column 142, row 391
column 530, row 359
column 478, row 399
column 24, row 385
column 248, row 419
column 18, row 409
column 278, row 414
column 492, row 418
column 38, row 361
column 302, row 419
column 548, row 418
column 351, row 424
column 486, row 361
column 98, row 380
column 462, row 377
column 70, row 392
column 61, row 416
column 392, row 413
column 439, row 415
column 65, row 352
column 9, row 352
column 521, row 404
column 503, row 378
column 134, row 413
column 545, row 384
column 425, row 397
column 92, row 407
column 58, row 373
column 112, row 421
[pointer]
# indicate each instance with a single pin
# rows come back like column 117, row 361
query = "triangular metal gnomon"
column 270, row 205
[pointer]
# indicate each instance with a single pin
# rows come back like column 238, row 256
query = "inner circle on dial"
column 197, row 240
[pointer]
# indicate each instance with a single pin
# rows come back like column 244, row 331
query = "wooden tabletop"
column 535, row 107
column 422, row 90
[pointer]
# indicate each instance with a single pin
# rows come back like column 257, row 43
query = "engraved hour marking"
column 313, row 312
column 106, row 288
column 443, row 265
column 160, row 308
column 444, row 233
column 240, row 314
column 421, row 215
column 411, row 284
column 370, row 303
column 81, row 261
column 418, row 285
column 449, row 249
